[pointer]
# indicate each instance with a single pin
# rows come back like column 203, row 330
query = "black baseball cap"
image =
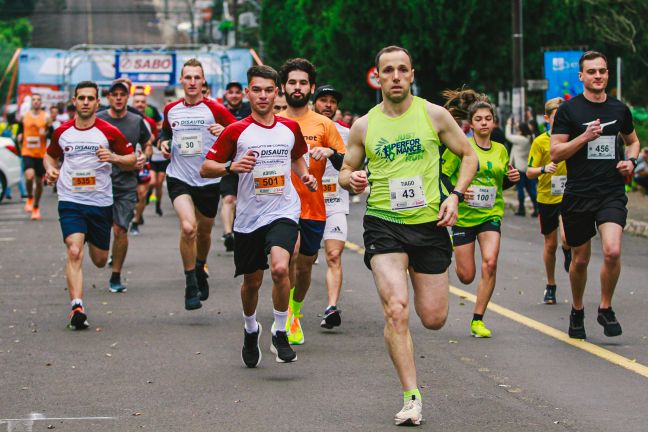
column 118, row 84
column 234, row 84
column 327, row 89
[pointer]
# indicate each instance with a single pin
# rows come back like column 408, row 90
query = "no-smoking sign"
column 372, row 78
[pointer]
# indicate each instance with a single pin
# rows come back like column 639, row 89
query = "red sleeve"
column 300, row 147
column 220, row 113
column 224, row 149
column 54, row 149
column 116, row 140
column 166, row 126
column 153, row 125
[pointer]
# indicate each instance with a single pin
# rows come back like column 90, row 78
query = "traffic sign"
column 372, row 78
column 537, row 84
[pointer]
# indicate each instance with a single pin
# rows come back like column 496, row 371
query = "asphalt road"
column 147, row 364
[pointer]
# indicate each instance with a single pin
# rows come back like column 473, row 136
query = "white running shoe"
column 411, row 414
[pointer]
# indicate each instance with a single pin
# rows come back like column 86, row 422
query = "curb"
column 633, row 227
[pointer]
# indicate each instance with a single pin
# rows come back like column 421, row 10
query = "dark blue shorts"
column 312, row 232
column 95, row 222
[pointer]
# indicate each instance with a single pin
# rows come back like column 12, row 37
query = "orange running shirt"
column 34, row 129
column 318, row 131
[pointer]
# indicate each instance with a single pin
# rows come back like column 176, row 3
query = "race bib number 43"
column 603, row 147
column 269, row 181
column 406, row 193
column 190, row 143
column 484, row 196
column 84, row 180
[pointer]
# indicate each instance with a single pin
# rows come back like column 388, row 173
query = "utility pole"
column 619, row 70
column 517, row 103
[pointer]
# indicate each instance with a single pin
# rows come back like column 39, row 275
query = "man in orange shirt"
column 298, row 78
column 34, row 126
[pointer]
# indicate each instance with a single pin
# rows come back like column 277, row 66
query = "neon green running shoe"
column 478, row 329
column 294, row 329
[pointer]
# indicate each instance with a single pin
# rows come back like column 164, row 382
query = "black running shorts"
column 466, row 235
column 582, row 216
column 251, row 249
column 549, row 216
column 427, row 245
column 205, row 198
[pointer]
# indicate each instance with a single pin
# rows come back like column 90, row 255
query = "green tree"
column 15, row 31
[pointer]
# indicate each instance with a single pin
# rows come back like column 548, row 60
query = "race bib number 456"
column 603, row 147
column 406, row 193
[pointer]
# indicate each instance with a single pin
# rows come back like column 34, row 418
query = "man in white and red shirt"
column 188, row 131
column 90, row 146
column 263, row 150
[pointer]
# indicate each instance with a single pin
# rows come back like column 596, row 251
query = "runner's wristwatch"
column 459, row 195
column 634, row 161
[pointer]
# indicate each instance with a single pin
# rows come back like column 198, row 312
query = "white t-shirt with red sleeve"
column 267, row 193
column 187, row 125
column 84, row 179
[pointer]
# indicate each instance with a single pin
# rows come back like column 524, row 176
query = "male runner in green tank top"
column 407, row 211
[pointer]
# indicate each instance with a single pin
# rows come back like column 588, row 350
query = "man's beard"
column 298, row 103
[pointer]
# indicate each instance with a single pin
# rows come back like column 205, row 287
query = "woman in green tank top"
column 480, row 215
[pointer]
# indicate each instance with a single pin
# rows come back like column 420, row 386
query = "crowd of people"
column 284, row 164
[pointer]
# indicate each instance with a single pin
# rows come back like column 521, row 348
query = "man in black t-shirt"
column 585, row 134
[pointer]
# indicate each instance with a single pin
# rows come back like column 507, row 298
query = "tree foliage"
column 15, row 30
column 453, row 42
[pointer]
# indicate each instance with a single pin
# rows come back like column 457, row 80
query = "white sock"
column 280, row 320
column 77, row 301
column 251, row 324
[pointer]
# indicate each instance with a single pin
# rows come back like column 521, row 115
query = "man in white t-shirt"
column 90, row 146
column 325, row 101
column 263, row 150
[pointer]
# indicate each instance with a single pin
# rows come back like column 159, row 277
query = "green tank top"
column 404, row 165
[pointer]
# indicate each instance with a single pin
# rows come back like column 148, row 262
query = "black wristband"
column 459, row 195
column 634, row 161
column 542, row 170
column 228, row 168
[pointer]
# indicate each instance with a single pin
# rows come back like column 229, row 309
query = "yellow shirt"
column 539, row 157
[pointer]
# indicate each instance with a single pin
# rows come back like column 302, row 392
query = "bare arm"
column 561, row 148
column 352, row 177
column 125, row 162
column 51, row 169
column 212, row 169
column 535, row 172
column 631, row 141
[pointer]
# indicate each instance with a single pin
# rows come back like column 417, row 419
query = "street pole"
column 618, row 77
column 517, row 104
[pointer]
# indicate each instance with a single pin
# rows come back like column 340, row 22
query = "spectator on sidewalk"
column 641, row 170
column 520, row 137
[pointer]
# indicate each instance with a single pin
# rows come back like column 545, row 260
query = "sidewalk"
column 637, row 223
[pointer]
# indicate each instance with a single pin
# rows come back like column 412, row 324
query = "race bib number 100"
column 190, row 143
column 406, row 193
column 484, row 196
column 603, row 147
column 84, row 180
column 269, row 181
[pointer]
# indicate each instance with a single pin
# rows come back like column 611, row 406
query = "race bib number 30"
column 330, row 188
column 406, row 193
column 190, row 143
column 269, row 181
column 84, row 180
column 603, row 147
column 484, row 196
column 558, row 185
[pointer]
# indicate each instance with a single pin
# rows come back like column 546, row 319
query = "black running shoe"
column 78, row 318
column 607, row 319
column 332, row 318
column 550, row 294
column 158, row 209
column 203, row 285
column 251, row 354
column 192, row 301
column 577, row 325
column 281, row 347
column 229, row 242
column 568, row 258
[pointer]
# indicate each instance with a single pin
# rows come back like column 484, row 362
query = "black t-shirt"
column 591, row 171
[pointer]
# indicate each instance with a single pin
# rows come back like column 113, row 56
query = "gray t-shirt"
column 135, row 131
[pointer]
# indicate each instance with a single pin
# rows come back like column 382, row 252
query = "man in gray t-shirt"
column 124, row 182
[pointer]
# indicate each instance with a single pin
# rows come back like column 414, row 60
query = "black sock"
column 600, row 309
column 578, row 312
column 115, row 277
column 190, row 277
column 200, row 264
column 551, row 286
column 134, row 224
column 478, row 317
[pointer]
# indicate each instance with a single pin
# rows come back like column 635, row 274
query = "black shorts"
column 312, row 232
column 229, row 185
column 251, row 249
column 34, row 163
column 466, row 235
column 95, row 222
column 160, row 166
column 427, row 245
column 549, row 217
column 581, row 216
column 205, row 198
